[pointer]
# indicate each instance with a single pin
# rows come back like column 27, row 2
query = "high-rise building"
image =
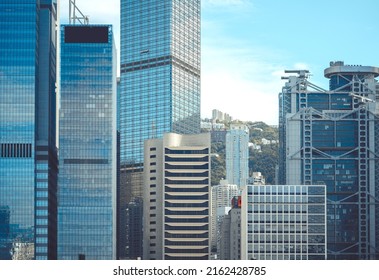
column 28, row 153
column 177, row 197
column 222, row 196
column 88, row 148
column 281, row 222
column 237, row 155
column 160, row 80
column 230, row 237
column 331, row 137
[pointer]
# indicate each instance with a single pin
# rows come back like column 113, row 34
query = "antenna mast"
column 73, row 9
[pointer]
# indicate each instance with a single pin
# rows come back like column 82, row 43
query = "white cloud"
column 240, row 82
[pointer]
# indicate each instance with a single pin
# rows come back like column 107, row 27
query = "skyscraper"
column 230, row 232
column 177, row 197
column 237, row 155
column 88, row 143
column 160, row 79
column 331, row 137
column 222, row 196
column 28, row 154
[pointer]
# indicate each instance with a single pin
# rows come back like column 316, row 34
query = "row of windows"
column 12, row 150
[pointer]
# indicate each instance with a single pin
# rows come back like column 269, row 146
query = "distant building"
column 237, row 155
column 220, row 116
column 88, row 144
column 177, row 197
column 283, row 222
column 257, row 179
column 212, row 126
column 222, row 195
column 268, row 142
column 230, row 237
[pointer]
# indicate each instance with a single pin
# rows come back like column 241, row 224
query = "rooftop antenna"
column 73, row 9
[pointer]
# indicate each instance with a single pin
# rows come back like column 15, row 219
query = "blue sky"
column 247, row 45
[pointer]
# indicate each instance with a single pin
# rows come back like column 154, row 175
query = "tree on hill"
column 263, row 160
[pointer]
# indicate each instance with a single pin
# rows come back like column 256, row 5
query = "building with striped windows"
column 177, row 197
column 283, row 222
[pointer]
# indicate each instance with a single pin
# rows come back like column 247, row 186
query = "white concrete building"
column 177, row 197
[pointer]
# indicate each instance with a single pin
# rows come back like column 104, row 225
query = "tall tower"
column 28, row 153
column 160, row 81
column 237, row 155
column 88, row 144
column 177, row 197
column 221, row 196
column 331, row 137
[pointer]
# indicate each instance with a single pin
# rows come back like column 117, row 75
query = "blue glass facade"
column 28, row 164
column 88, row 144
column 160, row 80
column 330, row 137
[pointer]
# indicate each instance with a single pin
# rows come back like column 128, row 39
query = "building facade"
column 88, row 144
column 230, row 237
column 177, row 197
column 282, row 222
column 331, row 137
column 222, row 196
column 28, row 153
column 237, row 155
column 160, row 79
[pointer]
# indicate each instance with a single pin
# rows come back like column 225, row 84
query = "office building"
column 88, row 149
column 28, row 153
column 160, row 79
column 230, row 237
column 331, row 137
column 237, row 155
column 177, row 197
column 222, row 196
column 281, row 222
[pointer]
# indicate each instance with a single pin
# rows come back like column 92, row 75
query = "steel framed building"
column 332, row 137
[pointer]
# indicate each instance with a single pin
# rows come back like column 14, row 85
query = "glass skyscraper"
column 88, row 144
column 160, row 81
column 28, row 154
column 331, row 137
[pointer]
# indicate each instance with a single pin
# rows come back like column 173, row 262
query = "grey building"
column 230, row 238
column 331, row 137
column 283, row 222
